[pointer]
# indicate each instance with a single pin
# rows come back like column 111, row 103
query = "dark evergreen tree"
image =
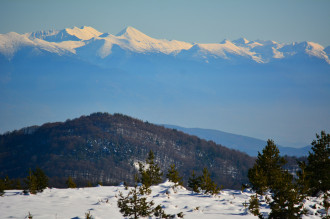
column 173, row 175
column 36, row 181
column 302, row 181
column 9, row 184
column 70, row 183
column 319, row 164
column 287, row 201
column 2, row 187
column 42, row 179
column 160, row 213
column 254, row 205
column 268, row 174
column 31, row 182
column 267, row 168
column 150, row 175
column 134, row 205
column 195, row 182
column 258, row 179
column 18, row 184
column 326, row 204
column 207, row 184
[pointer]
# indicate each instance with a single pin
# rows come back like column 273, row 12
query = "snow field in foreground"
column 102, row 203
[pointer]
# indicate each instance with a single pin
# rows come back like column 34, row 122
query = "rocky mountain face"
column 107, row 148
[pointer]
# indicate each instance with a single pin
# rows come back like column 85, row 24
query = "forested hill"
column 104, row 147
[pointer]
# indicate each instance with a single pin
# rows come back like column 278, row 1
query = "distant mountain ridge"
column 132, row 40
column 249, row 145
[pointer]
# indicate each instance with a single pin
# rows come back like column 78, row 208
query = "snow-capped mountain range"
column 85, row 42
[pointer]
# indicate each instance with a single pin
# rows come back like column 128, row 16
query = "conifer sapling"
column 173, row 176
column 70, row 183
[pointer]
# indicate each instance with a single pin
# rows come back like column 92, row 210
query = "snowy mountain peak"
column 133, row 39
column 315, row 49
column 132, row 33
column 67, row 34
column 241, row 41
column 225, row 41
column 11, row 42
column 83, row 33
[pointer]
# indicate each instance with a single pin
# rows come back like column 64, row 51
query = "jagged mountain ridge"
column 67, row 34
column 75, row 40
column 107, row 148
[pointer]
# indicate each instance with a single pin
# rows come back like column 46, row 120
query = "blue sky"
column 202, row 21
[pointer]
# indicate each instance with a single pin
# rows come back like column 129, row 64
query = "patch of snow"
column 316, row 50
column 12, row 42
column 84, row 33
column 101, row 202
column 277, row 54
column 225, row 49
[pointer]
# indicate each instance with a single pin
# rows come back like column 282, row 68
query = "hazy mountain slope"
column 242, row 143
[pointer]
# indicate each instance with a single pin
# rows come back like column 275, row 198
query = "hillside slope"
column 106, row 148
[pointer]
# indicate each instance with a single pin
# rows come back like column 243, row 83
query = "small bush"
column 203, row 183
column 173, row 175
column 88, row 215
column 70, row 183
column 180, row 215
column 29, row 216
column 2, row 187
column 134, row 205
column 36, row 181
column 254, row 205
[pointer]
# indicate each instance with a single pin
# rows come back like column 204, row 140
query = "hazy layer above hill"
column 239, row 142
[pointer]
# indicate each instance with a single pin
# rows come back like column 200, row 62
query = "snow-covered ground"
column 102, row 203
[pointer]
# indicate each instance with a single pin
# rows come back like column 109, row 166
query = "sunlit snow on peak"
column 87, row 41
column 67, row 34
column 84, row 33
